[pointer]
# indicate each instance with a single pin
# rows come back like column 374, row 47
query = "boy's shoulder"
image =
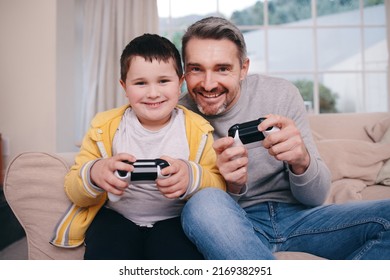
column 102, row 118
column 196, row 119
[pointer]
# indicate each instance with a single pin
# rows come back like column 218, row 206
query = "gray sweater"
column 268, row 178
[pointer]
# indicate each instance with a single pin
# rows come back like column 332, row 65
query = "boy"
column 145, row 222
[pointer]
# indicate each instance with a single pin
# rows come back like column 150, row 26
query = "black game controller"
column 248, row 133
column 146, row 171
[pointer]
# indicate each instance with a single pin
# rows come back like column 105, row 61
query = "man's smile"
column 210, row 94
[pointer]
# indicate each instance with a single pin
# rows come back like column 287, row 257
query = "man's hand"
column 232, row 162
column 287, row 144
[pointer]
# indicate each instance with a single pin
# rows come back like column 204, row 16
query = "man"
column 275, row 190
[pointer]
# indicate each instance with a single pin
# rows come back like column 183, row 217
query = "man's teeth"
column 211, row 95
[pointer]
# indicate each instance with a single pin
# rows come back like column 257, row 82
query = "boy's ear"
column 123, row 84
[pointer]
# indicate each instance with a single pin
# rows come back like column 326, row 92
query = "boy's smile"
column 151, row 94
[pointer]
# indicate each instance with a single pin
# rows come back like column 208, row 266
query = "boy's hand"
column 102, row 173
column 176, row 184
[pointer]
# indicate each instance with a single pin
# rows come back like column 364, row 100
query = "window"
column 334, row 51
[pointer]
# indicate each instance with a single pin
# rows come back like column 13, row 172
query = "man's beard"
column 204, row 108
column 220, row 110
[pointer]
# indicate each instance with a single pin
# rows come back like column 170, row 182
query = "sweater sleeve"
column 78, row 186
column 312, row 187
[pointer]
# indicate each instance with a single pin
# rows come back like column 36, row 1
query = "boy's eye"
column 140, row 83
column 164, row 81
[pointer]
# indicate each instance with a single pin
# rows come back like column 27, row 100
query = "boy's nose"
column 153, row 92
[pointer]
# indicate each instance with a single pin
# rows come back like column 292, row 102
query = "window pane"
column 229, row 7
column 336, row 12
column 374, row 14
column 327, row 98
column 376, row 92
column 375, row 49
column 282, row 12
column 305, row 85
column 339, row 49
column 180, row 8
column 346, row 89
column 255, row 50
column 247, row 12
column 306, row 88
column 290, row 49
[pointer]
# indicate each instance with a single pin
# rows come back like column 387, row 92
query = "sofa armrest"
column 34, row 189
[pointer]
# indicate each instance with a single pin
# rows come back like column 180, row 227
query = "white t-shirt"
column 143, row 203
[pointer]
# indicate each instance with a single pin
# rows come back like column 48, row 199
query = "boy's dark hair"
column 150, row 47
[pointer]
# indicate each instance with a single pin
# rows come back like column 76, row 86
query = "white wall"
column 68, row 75
column 35, row 112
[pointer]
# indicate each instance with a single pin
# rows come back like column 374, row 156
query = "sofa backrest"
column 345, row 125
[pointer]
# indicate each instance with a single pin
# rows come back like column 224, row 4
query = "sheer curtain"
column 387, row 7
column 108, row 25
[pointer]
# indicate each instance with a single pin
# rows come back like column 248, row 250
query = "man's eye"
column 195, row 69
column 223, row 69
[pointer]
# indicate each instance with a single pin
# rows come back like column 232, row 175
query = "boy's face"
column 213, row 74
column 153, row 90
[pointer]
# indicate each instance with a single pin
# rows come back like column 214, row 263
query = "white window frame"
column 316, row 72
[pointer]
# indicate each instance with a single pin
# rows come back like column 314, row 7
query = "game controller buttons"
column 146, row 171
column 248, row 132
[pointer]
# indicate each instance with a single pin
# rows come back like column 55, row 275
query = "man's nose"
column 209, row 81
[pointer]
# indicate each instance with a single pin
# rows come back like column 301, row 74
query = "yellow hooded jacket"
column 87, row 199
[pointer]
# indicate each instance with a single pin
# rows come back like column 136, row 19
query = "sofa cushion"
column 380, row 132
column 354, row 159
column 384, row 174
column 345, row 190
column 34, row 188
column 376, row 192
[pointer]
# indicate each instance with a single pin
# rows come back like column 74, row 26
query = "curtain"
column 108, row 26
column 387, row 7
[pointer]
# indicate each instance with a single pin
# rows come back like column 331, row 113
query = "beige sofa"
column 355, row 146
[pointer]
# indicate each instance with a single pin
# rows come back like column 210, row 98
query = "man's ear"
column 181, row 79
column 244, row 69
column 181, row 83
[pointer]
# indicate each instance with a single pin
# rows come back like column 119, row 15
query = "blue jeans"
column 221, row 229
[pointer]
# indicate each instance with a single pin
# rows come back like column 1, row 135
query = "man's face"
column 213, row 74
